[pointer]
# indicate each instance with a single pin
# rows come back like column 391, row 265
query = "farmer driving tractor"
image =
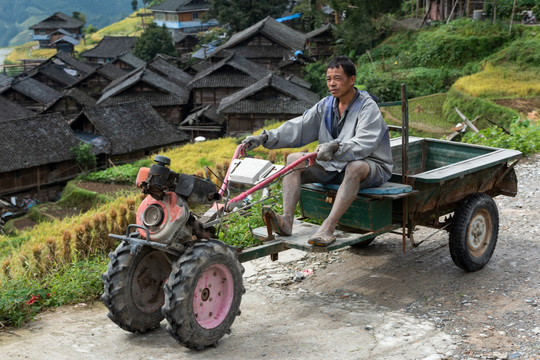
column 353, row 151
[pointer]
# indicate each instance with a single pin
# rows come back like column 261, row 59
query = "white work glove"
column 254, row 141
column 325, row 152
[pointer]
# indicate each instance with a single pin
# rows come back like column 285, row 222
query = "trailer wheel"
column 203, row 294
column 133, row 287
column 474, row 232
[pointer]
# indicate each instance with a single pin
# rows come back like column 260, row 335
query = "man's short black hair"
column 345, row 63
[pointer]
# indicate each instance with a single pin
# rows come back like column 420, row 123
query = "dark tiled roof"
column 11, row 110
column 5, row 80
column 178, row 36
column 298, row 98
column 73, row 63
column 244, row 73
column 180, row 6
column 278, row 32
column 131, row 60
column 179, row 95
column 111, row 47
column 131, row 126
column 54, row 72
column 35, row 90
column 45, row 139
column 298, row 81
column 58, row 20
column 170, row 71
column 154, row 99
column 110, row 71
column 67, row 39
column 321, row 30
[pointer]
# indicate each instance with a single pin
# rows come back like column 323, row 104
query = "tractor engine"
column 165, row 211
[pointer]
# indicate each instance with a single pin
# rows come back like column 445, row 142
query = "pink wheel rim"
column 213, row 296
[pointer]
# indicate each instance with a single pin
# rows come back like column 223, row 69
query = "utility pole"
column 512, row 18
column 494, row 11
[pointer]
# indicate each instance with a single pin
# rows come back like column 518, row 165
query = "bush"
column 458, row 43
column 419, row 81
column 524, row 136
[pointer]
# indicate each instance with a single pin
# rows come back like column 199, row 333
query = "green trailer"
column 435, row 183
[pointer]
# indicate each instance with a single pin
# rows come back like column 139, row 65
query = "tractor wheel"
column 134, row 287
column 474, row 232
column 203, row 294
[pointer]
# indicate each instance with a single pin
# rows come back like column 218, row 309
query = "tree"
column 154, row 40
column 79, row 16
column 363, row 23
column 240, row 14
column 84, row 156
column 134, row 5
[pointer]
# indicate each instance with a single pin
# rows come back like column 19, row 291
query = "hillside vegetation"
column 17, row 16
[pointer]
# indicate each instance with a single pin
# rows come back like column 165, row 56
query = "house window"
column 17, row 174
column 42, row 31
column 52, row 167
column 195, row 15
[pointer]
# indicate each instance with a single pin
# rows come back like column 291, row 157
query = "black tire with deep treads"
column 132, row 270
column 472, row 249
column 179, row 293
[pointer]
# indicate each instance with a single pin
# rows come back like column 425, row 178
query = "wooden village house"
column 126, row 132
column 109, row 48
column 169, row 99
column 30, row 94
column 182, row 15
column 72, row 102
column 267, row 43
column 46, row 159
column 128, row 62
column 226, row 77
column 271, row 98
column 95, row 82
column 56, row 27
column 319, row 42
column 205, row 121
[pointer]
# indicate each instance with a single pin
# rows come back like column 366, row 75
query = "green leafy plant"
column 524, row 136
column 84, row 156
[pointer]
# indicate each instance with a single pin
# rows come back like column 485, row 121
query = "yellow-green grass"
column 45, row 246
column 129, row 26
column 496, row 82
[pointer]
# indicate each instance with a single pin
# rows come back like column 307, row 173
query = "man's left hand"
column 325, row 152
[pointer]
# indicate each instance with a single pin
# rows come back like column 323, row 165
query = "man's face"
column 338, row 83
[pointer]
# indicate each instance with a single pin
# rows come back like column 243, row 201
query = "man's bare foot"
column 324, row 236
column 281, row 225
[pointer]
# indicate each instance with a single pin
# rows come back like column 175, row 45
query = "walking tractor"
column 170, row 264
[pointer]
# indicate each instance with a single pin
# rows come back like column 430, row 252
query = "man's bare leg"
column 291, row 194
column 355, row 172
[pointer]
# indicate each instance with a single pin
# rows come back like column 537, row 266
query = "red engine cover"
column 175, row 215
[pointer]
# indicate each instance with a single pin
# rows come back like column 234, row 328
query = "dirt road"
column 374, row 303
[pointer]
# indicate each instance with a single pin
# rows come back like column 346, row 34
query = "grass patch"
column 501, row 82
column 24, row 297
column 73, row 196
column 122, row 174
column 425, row 116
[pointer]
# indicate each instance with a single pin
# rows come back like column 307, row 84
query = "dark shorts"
column 317, row 174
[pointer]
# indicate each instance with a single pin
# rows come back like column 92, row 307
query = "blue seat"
column 388, row 188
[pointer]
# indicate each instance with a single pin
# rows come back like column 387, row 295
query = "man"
column 354, row 149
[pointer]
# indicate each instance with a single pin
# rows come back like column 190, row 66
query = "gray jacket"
column 364, row 134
